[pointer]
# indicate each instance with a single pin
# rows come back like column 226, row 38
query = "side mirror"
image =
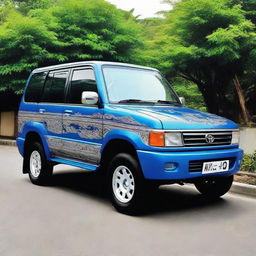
column 182, row 100
column 90, row 98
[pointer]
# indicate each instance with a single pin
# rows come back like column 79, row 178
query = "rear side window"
column 82, row 80
column 35, row 87
column 54, row 89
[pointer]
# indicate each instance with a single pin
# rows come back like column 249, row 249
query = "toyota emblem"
column 209, row 138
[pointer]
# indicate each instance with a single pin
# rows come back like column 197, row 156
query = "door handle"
column 41, row 110
column 67, row 112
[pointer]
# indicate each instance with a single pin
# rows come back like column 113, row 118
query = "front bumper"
column 153, row 163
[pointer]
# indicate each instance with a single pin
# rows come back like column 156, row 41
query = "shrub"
column 249, row 163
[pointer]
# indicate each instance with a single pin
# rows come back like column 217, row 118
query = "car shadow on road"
column 167, row 199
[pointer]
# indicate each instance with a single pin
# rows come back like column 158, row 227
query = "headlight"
column 165, row 139
column 173, row 139
column 235, row 137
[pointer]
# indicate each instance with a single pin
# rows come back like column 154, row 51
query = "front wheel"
column 126, row 184
column 214, row 187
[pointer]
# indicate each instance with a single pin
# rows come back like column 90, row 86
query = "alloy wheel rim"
column 123, row 184
column 35, row 164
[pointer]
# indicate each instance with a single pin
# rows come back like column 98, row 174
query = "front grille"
column 197, row 165
column 194, row 139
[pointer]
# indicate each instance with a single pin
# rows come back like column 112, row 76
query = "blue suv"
column 127, row 122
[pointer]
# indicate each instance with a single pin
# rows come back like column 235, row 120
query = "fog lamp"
column 170, row 166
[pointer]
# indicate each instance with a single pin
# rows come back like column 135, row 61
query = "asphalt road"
column 72, row 218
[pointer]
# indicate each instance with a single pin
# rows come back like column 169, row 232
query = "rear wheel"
column 127, row 187
column 214, row 187
column 39, row 169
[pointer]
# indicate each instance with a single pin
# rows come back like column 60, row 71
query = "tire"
column 126, row 184
column 214, row 187
column 39, row 169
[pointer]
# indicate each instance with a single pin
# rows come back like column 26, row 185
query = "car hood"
column 178, row 118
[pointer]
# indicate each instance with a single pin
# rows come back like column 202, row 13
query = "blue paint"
column 153, row 163
column 89, row 167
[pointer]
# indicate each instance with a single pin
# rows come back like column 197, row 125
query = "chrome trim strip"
column 192, row 139
column 202, row 134
column 195, row 130
column 207, row 144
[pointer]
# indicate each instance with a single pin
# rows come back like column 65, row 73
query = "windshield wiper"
column 149, row 102
column 169, row 102
column 135, row 101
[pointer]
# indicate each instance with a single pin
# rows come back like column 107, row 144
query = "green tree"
column 64, row 32
column 91, row 29
column 249, row 76
column 24, row 43
column 24, row 6
column 5, row 8
column 208, row 43
column 190, row 92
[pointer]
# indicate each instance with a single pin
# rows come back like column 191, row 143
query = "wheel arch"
column 115, row 146
column 31, row 137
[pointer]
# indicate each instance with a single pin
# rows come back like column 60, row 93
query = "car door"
column 51, row 107
column 82, row 124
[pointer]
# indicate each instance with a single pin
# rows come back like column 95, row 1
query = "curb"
column 240, row 173
column 243, row 189
column 7, row 142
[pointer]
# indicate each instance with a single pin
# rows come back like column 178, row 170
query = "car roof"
column 81, row 63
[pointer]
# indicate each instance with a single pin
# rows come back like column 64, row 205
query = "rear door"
column 82, row 124
column 51, row 108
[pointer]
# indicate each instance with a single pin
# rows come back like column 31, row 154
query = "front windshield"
column 134, row 85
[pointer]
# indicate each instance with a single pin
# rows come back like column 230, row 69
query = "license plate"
column 216, row 166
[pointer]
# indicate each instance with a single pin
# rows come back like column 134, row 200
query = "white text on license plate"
column 216, row 166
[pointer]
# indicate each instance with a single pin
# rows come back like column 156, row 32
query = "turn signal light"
column 156, row 139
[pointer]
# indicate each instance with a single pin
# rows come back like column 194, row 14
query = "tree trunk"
column 210, row 98
column 246, row 116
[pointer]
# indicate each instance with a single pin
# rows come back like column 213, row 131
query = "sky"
column 145, row 8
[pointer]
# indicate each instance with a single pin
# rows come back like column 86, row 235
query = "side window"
column 35, row 87
column 47, row 88
column 82, row 80
column 54, row 89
